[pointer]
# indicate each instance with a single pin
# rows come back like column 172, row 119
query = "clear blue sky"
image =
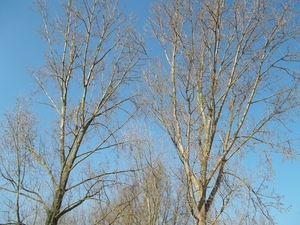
column 21, row 46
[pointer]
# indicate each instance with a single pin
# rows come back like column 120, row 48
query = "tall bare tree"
column 225, row 90
column 85, row 85
column 16, row 167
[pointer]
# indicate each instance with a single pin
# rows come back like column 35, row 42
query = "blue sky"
column 21, row 46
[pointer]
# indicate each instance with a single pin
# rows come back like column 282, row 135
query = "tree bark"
column 53, row 214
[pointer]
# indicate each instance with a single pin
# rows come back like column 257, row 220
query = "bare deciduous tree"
column 223, row 93
column 150, row 195
column 16, row 166
column 91, row 62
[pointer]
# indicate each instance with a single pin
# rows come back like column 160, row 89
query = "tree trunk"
column 51, row 219
column 201, row 217
column 202, row 213
column 53, row 213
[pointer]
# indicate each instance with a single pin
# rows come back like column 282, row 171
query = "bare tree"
column 150, row 195
column 153, row 204
column 85, row 84
column 16, row 164
column 225, row 91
